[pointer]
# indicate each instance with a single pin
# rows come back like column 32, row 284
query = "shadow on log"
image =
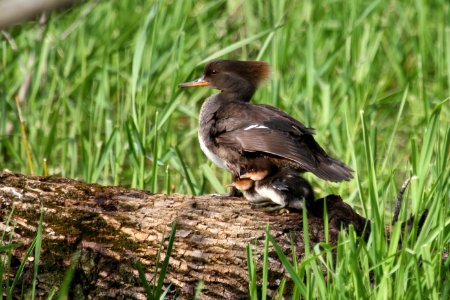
column 113, row 227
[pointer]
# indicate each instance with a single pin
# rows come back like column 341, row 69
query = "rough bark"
column 114, row 227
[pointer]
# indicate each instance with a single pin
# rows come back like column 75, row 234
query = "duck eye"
column 213, row 71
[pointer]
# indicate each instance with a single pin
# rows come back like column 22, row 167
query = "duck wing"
column 262, row 128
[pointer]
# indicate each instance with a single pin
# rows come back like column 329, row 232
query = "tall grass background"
column 372, row 77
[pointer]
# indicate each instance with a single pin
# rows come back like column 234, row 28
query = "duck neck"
column 238, row 90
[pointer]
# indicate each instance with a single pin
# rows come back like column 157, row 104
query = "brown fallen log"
column 114, row 227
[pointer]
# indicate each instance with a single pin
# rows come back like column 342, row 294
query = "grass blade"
column 20, row 269
column 265, row 265
column 37, row 254
column 212, row 178
column 165, row 264
column 148, row 290
column 65, row 286
column 138, row 55
column 288, row 266
column 251, row 266
column 238, row 45
column 187, row 176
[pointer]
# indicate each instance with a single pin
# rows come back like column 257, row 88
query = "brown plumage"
column 233, row 132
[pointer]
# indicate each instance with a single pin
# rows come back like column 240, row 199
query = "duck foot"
column 266, row 206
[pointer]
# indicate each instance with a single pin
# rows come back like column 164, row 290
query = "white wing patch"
column 256, row 126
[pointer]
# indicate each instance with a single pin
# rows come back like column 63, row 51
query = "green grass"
column 373, row 78
column 10, row 281
column 155, row 291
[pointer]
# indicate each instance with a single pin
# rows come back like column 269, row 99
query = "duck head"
column 237, row 80
column 243, row 184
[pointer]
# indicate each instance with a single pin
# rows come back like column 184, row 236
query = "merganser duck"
column 285, row 189
column 233, row 132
